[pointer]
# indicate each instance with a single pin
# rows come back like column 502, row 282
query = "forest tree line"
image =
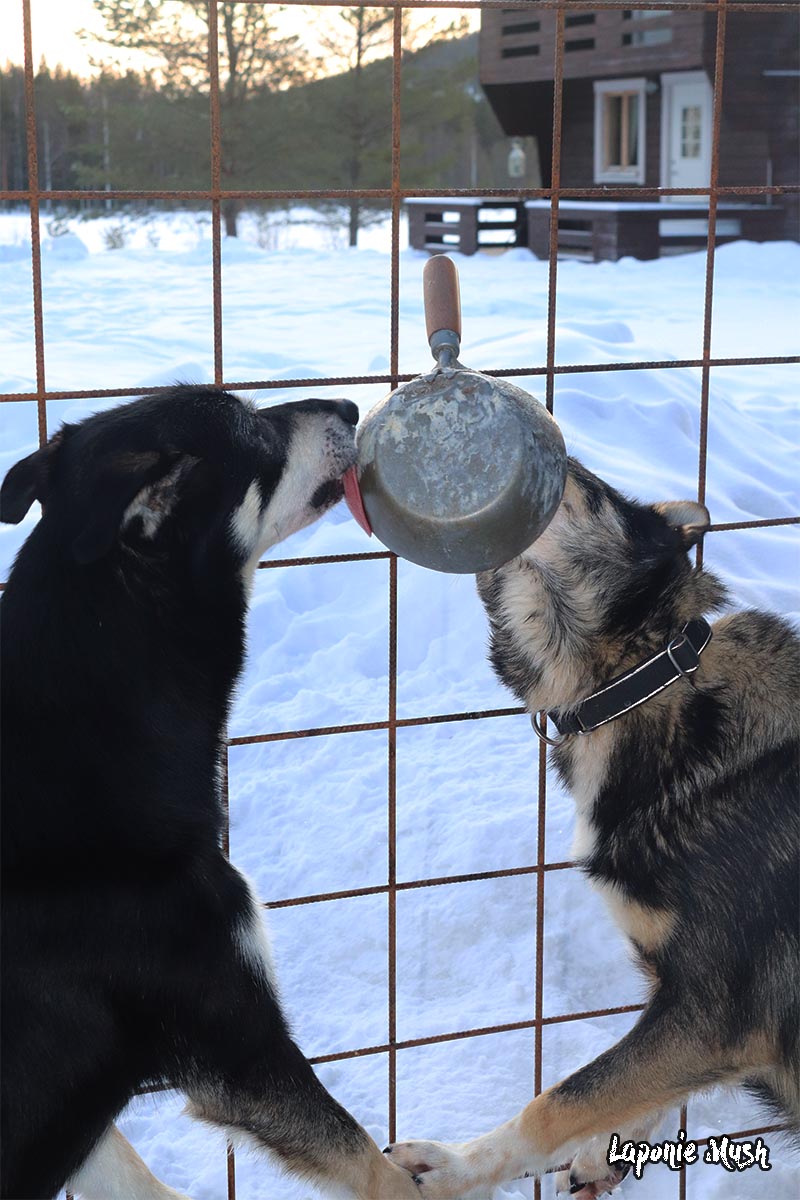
column 151, row 130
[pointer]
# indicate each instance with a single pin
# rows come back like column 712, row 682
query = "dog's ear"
column 687, row 517
column 27, row 481
column 116, row 485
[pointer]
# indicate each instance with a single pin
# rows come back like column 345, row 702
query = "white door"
column 686, row 131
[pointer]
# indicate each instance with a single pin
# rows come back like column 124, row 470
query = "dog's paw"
column 588, row 1177
column 442, row 1172
column 394, row 1184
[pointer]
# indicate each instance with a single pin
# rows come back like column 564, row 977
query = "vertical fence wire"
column 391, row 765
column 216, row 288
column 684, row 1121
column 216, row 184
column 552, row 299
column 391, row 741
column 555, row 184
column 708, row 303
column 541, row 859
column 34, row 203
column 705, row 385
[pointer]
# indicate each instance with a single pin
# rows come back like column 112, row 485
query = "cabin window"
column 525, row 27
column 619, row 130
column 645, row 14
column 518, row 51
column 691, row 130
column 646, row 37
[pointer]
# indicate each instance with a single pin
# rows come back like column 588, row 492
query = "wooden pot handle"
column 441, row 295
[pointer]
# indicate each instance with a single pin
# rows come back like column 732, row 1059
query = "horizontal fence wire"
column 263, row 385
column 504, row 193
column 412, row 884
column 394, row 196
column 659, row 6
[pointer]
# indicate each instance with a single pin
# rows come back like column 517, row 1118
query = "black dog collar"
column 681, row 657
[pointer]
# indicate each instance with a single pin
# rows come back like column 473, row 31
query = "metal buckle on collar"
column 681, row 643
column 542, row 736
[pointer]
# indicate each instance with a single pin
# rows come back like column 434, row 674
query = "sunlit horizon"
column 55, row 25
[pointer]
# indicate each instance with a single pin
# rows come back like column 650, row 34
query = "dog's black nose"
column 344, row 409
column 347, row 411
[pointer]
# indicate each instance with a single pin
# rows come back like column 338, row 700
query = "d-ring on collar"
column 681, row 657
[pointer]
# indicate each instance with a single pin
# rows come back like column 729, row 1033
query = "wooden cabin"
column 637, row 106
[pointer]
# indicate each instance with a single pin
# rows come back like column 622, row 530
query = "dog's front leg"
column 239, row 1067
column 293, row 1116
column 537, row 1140
column 654, row 1066
column 114, row 1171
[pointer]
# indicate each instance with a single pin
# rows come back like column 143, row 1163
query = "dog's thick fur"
column 133, row 951
column 687, row 822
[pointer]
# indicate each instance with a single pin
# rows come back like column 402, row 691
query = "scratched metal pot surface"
column 459, row 472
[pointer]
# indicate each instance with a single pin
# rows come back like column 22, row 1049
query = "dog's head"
column 627, row 558
column 609, row 578
column 197, row 468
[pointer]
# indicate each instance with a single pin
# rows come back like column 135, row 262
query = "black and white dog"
column 133, row 951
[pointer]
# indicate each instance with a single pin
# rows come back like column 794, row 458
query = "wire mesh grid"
column 395, row 194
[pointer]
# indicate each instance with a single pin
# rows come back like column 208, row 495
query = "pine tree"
column 349, row 43
column 13, row 150
column 353, row 40
column 252, row 57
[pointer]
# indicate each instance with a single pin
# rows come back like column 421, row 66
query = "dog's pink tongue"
column 352, row 496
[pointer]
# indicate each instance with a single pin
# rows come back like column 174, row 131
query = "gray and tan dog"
column 681, row 752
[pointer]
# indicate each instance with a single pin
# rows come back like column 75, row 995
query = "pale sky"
column 54, row 24
column 53, row 27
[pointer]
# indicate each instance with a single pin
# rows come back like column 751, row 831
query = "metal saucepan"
column 456, row 471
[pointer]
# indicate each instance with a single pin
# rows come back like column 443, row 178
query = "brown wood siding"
column 760, row 127
column 759, row 112
column 652, row 177
column 577, row 146
column 507, row 56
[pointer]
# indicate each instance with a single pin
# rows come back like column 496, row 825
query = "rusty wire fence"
column 394, row 195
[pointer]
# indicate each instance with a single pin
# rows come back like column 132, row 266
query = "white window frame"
column 616, row 174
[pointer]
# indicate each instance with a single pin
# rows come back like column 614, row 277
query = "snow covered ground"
column 309, row 816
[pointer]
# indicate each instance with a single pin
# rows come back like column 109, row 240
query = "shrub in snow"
column 58, row 226
column 269, row 226
column 115, row 237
